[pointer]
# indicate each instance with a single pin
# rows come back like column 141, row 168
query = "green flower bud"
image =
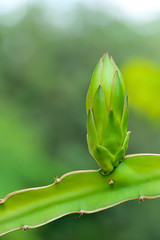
column 107, row 115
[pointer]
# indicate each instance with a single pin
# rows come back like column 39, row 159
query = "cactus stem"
column 141, row 199
column 111, row 181
column 57, row 180
column 25, row 227
column 2, row 200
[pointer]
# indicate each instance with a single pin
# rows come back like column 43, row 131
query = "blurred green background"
column 47, row 57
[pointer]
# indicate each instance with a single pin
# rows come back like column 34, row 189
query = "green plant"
column 121, row 178
column 107, row 115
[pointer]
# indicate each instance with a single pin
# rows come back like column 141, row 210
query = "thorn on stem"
column 81, row 212
column 2, row 200
column 141, row 199
column 56, row 180
column 111, row 181
column 25, row 227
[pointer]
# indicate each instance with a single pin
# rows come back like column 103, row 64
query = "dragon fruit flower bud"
column 107, row 115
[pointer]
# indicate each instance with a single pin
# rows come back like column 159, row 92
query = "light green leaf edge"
column 137, row 177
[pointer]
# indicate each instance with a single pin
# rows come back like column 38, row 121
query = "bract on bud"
column 107, row 115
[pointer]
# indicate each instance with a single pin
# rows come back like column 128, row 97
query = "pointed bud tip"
column 105, row 55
